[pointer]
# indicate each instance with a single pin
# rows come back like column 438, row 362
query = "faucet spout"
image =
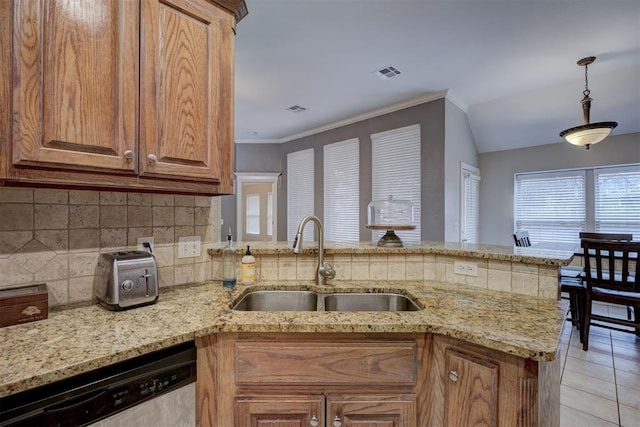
column 324, row 270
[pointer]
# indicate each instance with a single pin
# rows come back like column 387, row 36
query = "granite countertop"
column 527, row 255
column 79, row 339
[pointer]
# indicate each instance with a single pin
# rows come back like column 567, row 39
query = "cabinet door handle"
column 337, row 422
column 314, row 421
column 129, row 155
column 152, row 158
column 453, row 376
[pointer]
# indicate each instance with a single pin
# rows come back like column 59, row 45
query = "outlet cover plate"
column 465, row 268
column 189, row 247
column 142, row 240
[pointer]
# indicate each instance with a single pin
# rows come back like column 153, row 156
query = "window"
column 469, row 204
column 342, row 191
column 395, row 171
column 556, row 206
column 253, row 214
column 270, row 214
column 617, row 200
column 551, row 206
column 300, row 176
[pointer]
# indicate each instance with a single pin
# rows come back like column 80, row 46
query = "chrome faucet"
column 324, row 270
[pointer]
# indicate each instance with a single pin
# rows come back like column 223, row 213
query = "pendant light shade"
column 589, row 133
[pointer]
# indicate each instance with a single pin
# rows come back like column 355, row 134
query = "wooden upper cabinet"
column 186, row 113
column 132, row 95
column 75, row 90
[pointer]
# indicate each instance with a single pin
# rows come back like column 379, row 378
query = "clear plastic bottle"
column 229, row 264
column 248, row 276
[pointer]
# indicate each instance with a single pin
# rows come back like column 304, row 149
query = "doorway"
column 257, row 207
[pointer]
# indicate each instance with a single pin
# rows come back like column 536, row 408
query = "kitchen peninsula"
column 415, row 366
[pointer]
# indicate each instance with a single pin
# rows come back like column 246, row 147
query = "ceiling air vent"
column 296, row 109
column 387, row 72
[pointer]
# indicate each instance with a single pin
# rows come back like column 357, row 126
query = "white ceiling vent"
column 387, row 72
column 296, row 109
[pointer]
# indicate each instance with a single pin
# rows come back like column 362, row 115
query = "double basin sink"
column 284, row 300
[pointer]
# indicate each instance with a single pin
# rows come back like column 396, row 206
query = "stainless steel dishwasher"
column 157, row 389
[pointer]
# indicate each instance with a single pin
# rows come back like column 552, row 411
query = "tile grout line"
column 615, row 379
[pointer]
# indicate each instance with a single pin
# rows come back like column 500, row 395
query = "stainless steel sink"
column 368, row 302
column 279, row 300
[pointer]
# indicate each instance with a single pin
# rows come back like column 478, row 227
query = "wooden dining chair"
column 613, row 237
column 522, row 238
column 610, row 279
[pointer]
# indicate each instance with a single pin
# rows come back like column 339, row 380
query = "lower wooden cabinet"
column 321, row 411
column 371, row 410
column 475, row 386
column 279, row 411
column 364, row 380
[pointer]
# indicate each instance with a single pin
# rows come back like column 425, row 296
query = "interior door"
column 257, row 212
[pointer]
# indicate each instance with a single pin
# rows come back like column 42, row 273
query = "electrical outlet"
column 188, row 246
column 465, row 268
column 142, row 241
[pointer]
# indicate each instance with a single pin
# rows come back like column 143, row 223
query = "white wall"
column 459, row 147
column 498, row 168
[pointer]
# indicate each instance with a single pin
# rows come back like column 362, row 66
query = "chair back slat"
column 522, row 238
column 606, row 253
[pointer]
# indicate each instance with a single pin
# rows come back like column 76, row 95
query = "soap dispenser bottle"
column 248, row 275
column 229, row 264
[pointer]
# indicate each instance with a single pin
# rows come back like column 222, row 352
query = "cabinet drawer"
column 344, row 363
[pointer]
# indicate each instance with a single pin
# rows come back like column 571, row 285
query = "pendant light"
column 588, row 133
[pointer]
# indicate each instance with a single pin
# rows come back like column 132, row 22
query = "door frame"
column 256, row 178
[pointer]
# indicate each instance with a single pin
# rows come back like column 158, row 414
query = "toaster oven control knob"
column 127, row 285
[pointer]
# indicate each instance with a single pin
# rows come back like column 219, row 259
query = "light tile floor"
column 600, row 387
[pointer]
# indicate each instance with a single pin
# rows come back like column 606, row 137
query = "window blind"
column 470, row 207
column 551, row 206
column 342, row 191
column 617, row 200
column 269, row 214
column 252, row 225
column 300, row 175
column 395, row 170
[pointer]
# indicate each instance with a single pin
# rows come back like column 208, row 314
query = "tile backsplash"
column 55, row 236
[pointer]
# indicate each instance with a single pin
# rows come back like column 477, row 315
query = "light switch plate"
column 465, row 268
column 188, row 246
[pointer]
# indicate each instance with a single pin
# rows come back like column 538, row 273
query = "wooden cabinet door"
column 186, row 90
column 280, row 411
column 371, row 410
column 75, row 84
column 471, row 391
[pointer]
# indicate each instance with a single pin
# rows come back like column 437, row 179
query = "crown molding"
column 428, row 97
column 456, row 101
column 431, row 96
column 258, row 141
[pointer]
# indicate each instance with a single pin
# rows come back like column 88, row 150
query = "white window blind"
column 252, row 225
column 470, row 209
column 300, row 175
column 269, row 214
column 395, row 170
column 617, row 200
column 551, row 206
column 342, row 191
